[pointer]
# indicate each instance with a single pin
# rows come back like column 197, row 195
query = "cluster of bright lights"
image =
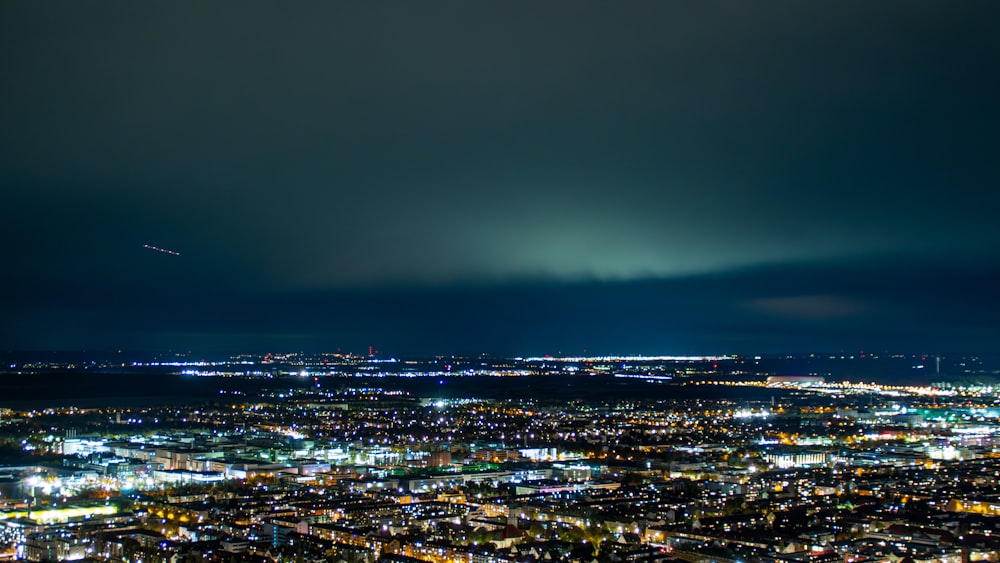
column 747, row 413
column 627, row 359
column 61, row 514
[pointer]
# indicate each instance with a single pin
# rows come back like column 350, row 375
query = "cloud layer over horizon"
column 319, row 152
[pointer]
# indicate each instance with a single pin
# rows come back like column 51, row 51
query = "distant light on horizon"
column 627, row 359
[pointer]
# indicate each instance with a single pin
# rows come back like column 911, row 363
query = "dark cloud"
column 808, row 307
column 874, row 306
column 296, row 155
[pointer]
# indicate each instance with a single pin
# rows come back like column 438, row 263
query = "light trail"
column 163, row 250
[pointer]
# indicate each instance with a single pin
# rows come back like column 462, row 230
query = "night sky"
column 500, row 177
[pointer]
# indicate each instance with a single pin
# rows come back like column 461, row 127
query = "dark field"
column 146, row 389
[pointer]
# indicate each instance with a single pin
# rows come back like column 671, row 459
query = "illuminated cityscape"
column 327, row 457
column 559, row 281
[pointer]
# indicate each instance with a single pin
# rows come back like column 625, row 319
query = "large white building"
column 788, row 460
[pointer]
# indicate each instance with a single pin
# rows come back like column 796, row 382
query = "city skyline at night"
column 558, row 281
